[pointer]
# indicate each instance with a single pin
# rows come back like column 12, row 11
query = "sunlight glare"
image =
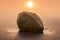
column 29, row 4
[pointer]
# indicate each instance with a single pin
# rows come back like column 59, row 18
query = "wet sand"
column 50, row 33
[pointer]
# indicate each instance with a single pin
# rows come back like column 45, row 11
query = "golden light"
column 29, row 4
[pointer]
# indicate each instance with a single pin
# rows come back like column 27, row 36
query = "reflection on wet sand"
column 46, row 35
column 28, row 36
column 31, row 36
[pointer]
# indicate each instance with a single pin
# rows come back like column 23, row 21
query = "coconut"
column 29, row 22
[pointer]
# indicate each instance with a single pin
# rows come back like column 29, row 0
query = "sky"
column 47, row 10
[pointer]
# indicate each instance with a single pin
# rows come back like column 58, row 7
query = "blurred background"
column 47, row 10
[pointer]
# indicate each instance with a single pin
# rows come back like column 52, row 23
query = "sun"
column 29, row 4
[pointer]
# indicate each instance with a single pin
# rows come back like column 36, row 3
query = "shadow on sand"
column 28, row 36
